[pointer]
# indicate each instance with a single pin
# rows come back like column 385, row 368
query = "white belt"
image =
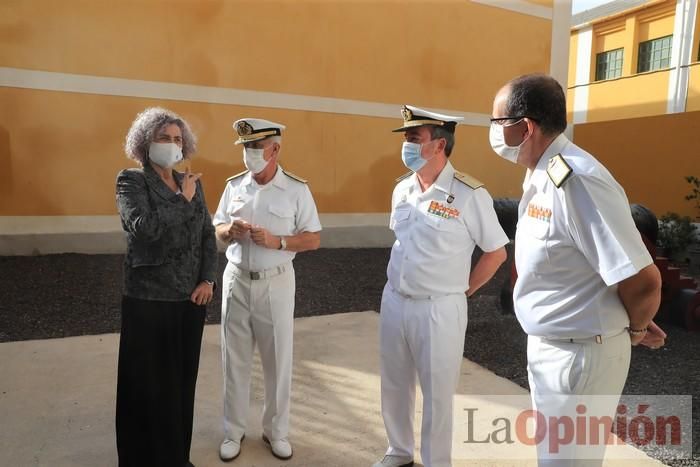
column 257, row 275
column 583, row 340
column 420, row 297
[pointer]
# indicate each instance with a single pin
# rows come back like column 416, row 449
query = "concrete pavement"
column 57, row 403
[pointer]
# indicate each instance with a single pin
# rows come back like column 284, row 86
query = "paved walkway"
column 57, row 403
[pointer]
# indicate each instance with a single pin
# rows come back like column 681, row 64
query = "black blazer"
column 171, row 246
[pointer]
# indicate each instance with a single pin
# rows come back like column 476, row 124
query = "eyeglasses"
column 504, row 120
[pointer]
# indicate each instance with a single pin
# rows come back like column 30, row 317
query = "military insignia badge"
column 468, row 180
column 440, row 210
column 539, row 212
column 244, row 128
column 407, row 114
column 558, row 170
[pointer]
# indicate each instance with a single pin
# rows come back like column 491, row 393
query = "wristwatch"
column 283, row 244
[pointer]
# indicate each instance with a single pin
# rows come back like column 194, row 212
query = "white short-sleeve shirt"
column 284, row 206
column 572, row 246
column 436, row 232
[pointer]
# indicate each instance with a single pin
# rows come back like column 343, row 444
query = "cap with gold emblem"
column 254, row 129
column 413, row 117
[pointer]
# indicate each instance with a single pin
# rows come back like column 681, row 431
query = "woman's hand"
column 202, row 294
column 189, row 184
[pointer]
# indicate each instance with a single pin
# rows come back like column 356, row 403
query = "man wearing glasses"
column 438, row 216
column 586, row 287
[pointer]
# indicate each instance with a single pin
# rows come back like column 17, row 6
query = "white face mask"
column 166, row 155
column 254, row 160
column 498, row 143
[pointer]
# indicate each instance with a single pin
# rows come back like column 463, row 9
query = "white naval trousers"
column 257, row 312
column 423, row 336
column 563, row 375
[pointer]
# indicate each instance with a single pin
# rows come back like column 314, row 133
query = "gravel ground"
column 70, row 294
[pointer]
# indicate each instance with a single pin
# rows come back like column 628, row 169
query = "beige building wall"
column 74, row 74
column 649, row 157
column 642, row 126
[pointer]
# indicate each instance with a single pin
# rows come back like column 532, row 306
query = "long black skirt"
column 158, row 362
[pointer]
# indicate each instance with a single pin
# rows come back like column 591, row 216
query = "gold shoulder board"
column 468, row 180
column 404, row 176
column 237, row 175
column 558, row 170
column 295, row 177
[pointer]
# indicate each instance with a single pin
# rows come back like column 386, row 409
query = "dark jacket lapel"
column 157, row 185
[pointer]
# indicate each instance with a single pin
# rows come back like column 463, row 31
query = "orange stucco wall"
column 643, row 94
column 350, row 168
column 62, row 150
column 611, row 38
column 658, row 22
column 649, row 156
column 340, row 49
column 693, row 102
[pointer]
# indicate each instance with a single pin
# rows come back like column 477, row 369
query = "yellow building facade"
column 634, row 96
column 74, row 74
column 638, row 62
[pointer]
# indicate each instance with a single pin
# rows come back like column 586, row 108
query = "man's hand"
column 654, row 338
column 238, row 230
column 262, row 237
column 202, row 294
column 189, row 184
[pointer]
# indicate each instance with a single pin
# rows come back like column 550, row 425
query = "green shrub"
column 694, row 193
column 676, row 233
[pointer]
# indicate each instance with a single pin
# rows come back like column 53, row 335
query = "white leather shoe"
column 394, row 461
column 280, row 448
column 230, row 449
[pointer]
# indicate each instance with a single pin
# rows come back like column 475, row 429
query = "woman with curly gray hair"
column 169, row 271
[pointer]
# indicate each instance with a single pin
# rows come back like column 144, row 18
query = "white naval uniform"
column 260, row 310
column 424, row 307
column 573, row 245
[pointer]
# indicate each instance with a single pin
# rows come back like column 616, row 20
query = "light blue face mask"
column 410, row 154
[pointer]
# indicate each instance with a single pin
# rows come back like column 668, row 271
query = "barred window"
column 608, row 64
column 654, row 54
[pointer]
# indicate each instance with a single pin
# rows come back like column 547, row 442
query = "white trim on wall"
column 681, row 50
column 18, row 225
column 101, row 85
column 583, row 74
column 41, row 235
column 523, row 7
column 561, row 39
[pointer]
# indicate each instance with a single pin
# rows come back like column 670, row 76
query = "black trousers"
column 159, row 352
